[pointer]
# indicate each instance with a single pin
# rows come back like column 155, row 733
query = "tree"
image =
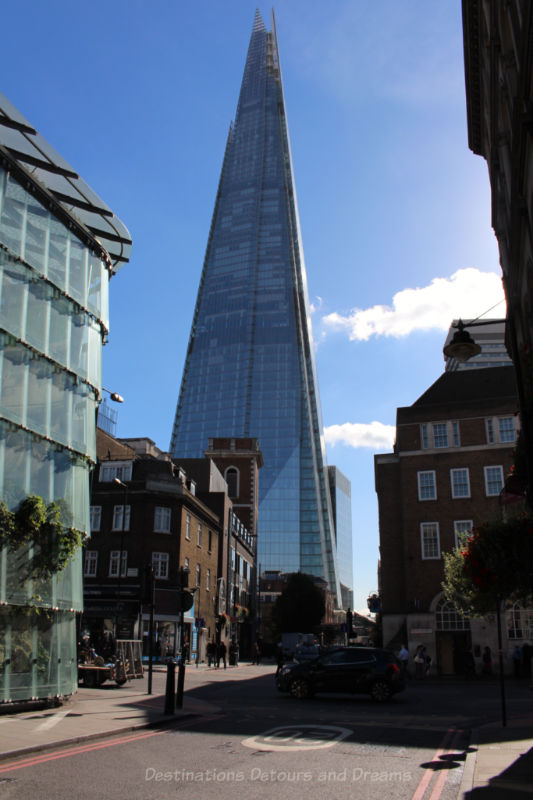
column 495, row 563
column 301, row 605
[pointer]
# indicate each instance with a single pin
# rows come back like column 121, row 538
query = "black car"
column 353, row 670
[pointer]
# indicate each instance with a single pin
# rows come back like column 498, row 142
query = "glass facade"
column 250, row 368
column 341, row 501
column 53, row 321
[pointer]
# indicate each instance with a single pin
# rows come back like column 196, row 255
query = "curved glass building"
column 250, row 367
column 59, row 246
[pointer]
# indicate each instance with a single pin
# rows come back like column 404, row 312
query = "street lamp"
column 463, row 347
column 118, row 482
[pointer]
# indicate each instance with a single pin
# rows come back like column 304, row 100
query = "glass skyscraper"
column 250, row 366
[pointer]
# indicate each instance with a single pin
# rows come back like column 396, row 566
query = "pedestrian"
column 211, row 653
column 487, row 661
column 221, row 654
column 403, row 658
column 517, row 661
column 428, row 663
column 279, row 657
column 420, row 662
column 256, row 653
column 185, row 651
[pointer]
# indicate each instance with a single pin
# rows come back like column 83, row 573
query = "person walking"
column 487, row 661
column 221, row 654
column 403, row 658
column 420, row 662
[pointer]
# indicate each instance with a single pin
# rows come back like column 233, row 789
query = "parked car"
column 354, row 670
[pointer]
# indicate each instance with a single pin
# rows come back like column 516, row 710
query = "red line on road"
column 441, row 780
column 428, row 774
column 33, row 761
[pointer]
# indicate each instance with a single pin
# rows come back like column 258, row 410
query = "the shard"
column 250, row 365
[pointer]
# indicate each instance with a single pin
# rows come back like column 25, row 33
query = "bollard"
column 169, row 691
column 181, row 682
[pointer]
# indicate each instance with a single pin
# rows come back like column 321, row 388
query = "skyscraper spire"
column 250, row 365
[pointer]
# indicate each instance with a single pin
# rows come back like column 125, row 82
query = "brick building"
column 149, row 509
column 454, row 446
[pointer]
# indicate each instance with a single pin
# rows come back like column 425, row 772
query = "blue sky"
column 395, row 210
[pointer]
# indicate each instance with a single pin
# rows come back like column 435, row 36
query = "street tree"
column 301, row 605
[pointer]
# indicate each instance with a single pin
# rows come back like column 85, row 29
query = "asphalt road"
column 260, row 744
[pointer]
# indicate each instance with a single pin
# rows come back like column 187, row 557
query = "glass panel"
column 37, row 319
column 57, row 253
column 58, row 346
column 13, row 307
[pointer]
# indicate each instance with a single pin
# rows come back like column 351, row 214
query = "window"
column 110, row 470
column 501, row 429
column 198, row 575
column 160, row 565
column 427, row 487
column 493, row 480
column 208, row 579
column 462, row 529
column 506, row 429
column 429, row 535
column 199, row 536
column 455, row 433
column 91, row 563
column 209, row 540
column 162, row 519
column 118, row 561
column 448, row 618
column 96, row 517
column 519, row 622
column 121, row 518
column 186, row 563
column 232, row 479
column 188, row 527
column 460, row 481
column 440, row 434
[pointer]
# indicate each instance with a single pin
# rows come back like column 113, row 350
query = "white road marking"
column 297, row 737
column 53, row 720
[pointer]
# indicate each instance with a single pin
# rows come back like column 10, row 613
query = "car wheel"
column 300, row 688
column 380, row 691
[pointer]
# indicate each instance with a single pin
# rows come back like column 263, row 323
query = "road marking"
column 441, row 780
column 53, row 720
column 425, row 780
column 298, row 737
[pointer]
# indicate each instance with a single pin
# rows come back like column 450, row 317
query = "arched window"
column 232, row 479
column 519, row 622
column 448, row 618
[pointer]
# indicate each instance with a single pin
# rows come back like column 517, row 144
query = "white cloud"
column 374, row 435
column 466, row 294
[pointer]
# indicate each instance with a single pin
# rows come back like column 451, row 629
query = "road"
column 257, row 743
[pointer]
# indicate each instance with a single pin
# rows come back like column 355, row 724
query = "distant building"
column 454, row 447
column 150, row 510
column 491, row 339
column 250, row 367
column 59, row 246
column 341, row 503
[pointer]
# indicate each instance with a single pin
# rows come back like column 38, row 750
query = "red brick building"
column 454, row 447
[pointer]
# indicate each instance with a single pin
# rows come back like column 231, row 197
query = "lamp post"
column 118, row 482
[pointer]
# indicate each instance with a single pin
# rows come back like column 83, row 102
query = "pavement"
column 498, row 764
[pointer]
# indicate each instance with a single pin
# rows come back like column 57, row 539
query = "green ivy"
column 47, row 528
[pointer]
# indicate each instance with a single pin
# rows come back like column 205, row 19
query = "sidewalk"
column 499, row 764
column 92, row 713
